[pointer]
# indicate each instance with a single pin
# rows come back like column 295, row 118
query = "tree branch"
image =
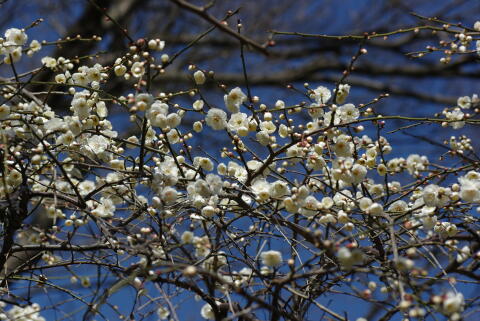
column 202, row 12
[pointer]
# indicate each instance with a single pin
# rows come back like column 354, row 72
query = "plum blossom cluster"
column 14, row 44
column 289, row 201
column 26, row 313
column 458, row 115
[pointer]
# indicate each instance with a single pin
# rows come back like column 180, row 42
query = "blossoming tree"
column 293, row 209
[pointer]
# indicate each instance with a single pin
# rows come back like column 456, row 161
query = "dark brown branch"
column 202, row 12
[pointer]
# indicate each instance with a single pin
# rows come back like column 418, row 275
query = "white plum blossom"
column 97, row 144
column 199, row 77
column 348, row 112
column 138, row 69
column 204, row 162
column 66, row 139
column 456, row 118
column 169, row 195
column 343, row 147
column 95, row 73
column 105, row 208
column 428, row 218
column 86, row 187
column 271, row 258
column 375, row 209
column 416, row 163
column 464, row 102
column 101, row 109
column 237, row 171
column 214, row 262
column 327, row 118
column 60, row 79
column 187, row 237
column 216, row 119
column 4, row 111
column 280, row 104
column 302, row 192
column 255, row 165
column 279, row 189
column 197, row 126
column 464, row 254
column 120, row 70
column 453, row 302
column 399, row 206
column 348, row 258
column 81, row 107
column 295, row 153
column 234, row 99
column 316, row 110
column 207, row 312
column 156, row 44
column 376, row 189
column 208, row 211
column 238, row 122
column 143, row 101
column 327, row 218
column 16, row 36
column 80, row 78
column 263, row 138
column 315, row 161
column 173, row 120
column 310, row 206
column 469, row 189
column 157, row 114
column 163, row 313
column 342, row 93
column 261, row 188
column 49, row 62
column 268, row 127
column 434, row 195
column 198, row 104
column 327, row 203
column 358, row 173
column 321, row 95
column 13, row 56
